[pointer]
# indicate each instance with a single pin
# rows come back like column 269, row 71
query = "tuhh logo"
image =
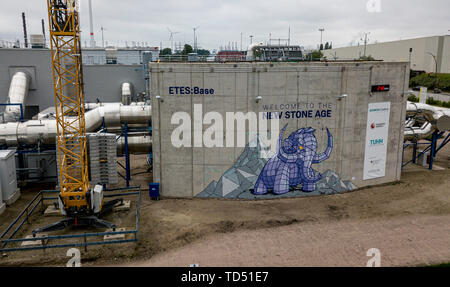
column 377, row 142
column 374, row 6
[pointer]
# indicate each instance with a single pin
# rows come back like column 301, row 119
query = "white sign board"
column 423, row 95
column 376, row 140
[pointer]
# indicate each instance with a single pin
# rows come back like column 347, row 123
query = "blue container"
column 154, row 191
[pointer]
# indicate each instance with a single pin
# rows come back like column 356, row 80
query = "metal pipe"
column 18, row 91
column 44, row 131
column 416, row 133
column 136, row 145
column 127, row 89
column 116, row 114
column 434, row 118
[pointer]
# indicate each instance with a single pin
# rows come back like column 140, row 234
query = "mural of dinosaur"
column 292, row 165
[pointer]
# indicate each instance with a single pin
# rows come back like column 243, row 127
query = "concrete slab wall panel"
column 198, row 170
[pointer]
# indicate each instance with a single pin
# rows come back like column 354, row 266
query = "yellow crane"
column 77, row 200
column 69, row 103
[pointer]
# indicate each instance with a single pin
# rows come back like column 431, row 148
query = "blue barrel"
column 154, row 191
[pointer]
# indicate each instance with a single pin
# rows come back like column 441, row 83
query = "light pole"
column 321, row 36
column 365, row 43
column 103, row 37
column 241, row 41
column 436, row 73
column 251, row 39
column 195, row 38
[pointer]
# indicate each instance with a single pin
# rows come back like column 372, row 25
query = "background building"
column 123, row 56
column 232, row 56
column 101, row 81
column 399, row 51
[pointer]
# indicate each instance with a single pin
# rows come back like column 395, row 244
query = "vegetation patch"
column 429, row 80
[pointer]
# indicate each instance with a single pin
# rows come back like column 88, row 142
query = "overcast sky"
column 222, row 22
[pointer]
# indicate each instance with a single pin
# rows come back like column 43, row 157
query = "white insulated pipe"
column 436, row 119
column 18, row 91
column 127, row 90
column 31, row 132
column 116, row 114
column 422, row 132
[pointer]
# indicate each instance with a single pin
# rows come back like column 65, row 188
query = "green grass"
column 430, row 101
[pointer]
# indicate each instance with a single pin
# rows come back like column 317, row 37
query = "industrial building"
column 271, row 52
column 101, row 125
column 421, row 55
column 334, row 97
column 101, row 82
column 271, row 126
column 119, row 56
column 115, row 95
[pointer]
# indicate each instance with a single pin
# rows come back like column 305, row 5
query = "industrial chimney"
column 25, row 30
column 43, row 31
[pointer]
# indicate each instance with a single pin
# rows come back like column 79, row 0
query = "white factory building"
column 399, row 51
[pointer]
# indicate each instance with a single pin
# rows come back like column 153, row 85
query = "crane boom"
column 69, row 104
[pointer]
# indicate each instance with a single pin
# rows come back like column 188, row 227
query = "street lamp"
column 436, row 73
column 321, row 34
column 195, row 38
column 410, row 56
column 103, row 37
column 365, row 43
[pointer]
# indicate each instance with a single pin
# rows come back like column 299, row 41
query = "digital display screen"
column 380, row 88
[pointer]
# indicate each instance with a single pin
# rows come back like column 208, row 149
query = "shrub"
column 428, row 80
column 413, row 99
column 433, row 102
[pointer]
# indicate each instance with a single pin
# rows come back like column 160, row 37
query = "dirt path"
column 406, row 241
column 408, row 221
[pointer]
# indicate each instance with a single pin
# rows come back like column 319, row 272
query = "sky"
column 221, row 22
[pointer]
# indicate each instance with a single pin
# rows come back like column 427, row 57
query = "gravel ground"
column 406, row 241
column 408, row 221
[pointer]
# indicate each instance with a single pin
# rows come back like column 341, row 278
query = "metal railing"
column 39, row 199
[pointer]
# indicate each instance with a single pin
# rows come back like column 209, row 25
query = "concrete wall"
column 196, row 171
column 398, row 51
column 101, row 81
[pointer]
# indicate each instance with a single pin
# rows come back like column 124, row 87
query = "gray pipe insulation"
column 18, row 92
column 44, row 130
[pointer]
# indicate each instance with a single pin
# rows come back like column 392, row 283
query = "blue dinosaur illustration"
column 292, row 164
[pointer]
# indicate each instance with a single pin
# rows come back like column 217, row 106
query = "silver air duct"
column 44, row 130
column 18, row 92
column 116, row 114
column 136, row 145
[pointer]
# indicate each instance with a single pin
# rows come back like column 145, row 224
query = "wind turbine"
column 171, row 38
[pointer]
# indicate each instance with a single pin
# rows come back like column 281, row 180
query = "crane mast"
column 69, row 104
column 81, row 205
